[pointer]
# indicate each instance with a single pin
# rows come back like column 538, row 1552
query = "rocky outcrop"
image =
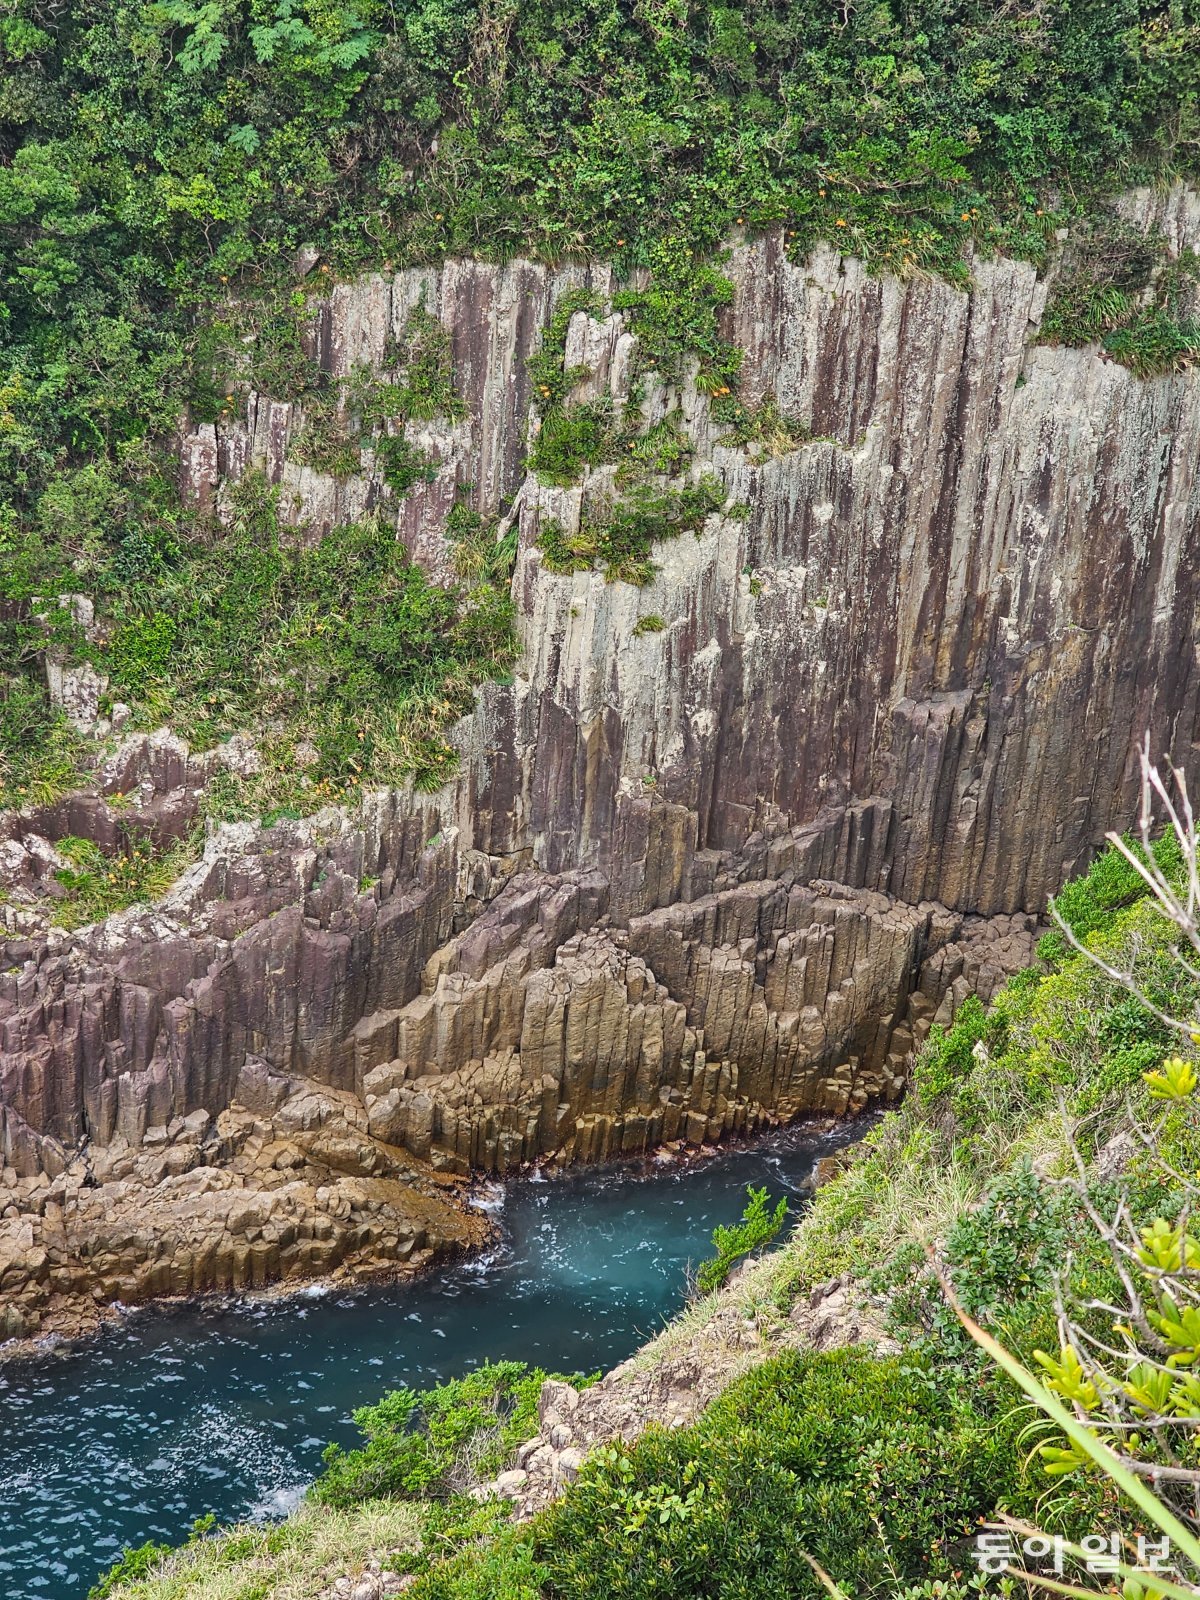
column 692, row 879
column 970, row 589
column 234, row 1204
column 670, row 1381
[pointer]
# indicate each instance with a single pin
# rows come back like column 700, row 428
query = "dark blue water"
column 226, row 1406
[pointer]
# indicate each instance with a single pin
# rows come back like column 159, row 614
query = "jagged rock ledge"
column 291, row 1063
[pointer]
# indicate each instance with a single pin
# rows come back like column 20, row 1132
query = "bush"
column 424, row 387
column 345, row 643
column 432, row 1444
column 757, row 1228
column 1119, row 288
column 868, row 1465
column 948, row 1055
column 650, row 623
column 619, row 536
column 1088, row 902
column 40, row 753
column 403, row 463
column 571, row 440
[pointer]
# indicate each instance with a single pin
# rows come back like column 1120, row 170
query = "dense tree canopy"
column 154, row 156
column 161, row 163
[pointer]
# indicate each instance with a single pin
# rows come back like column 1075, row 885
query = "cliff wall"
column 693, row 878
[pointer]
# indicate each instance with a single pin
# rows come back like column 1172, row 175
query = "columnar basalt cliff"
column 692, row 878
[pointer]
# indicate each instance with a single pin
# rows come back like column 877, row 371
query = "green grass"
column 1119, row 288
column 96, row 885
column 298, row 1559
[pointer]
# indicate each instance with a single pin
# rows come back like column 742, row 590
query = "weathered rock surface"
column 232, row 1204
column 694, row 880
column 669, row 1382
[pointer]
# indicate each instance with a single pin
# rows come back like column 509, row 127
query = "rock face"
column 695, row 879
column 231, row 1205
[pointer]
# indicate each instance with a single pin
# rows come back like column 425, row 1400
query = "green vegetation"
column 650, row 623
column 428, row 1446
column 299, row 1558
column 880, row 1467
column 757, row 1228
column 1118, row 287
column 618, row 536
column 95, row 885
column 677, row 316
column 763, row 429
column 180, row 182
column 344, row 649
column 570, row 440
column 424, row 384
column 857, row 1462
column 403, row 463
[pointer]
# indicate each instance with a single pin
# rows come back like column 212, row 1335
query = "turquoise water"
column 225, row 1406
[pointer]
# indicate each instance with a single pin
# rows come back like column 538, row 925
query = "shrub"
column 550, row 378
column 757, row 1228
column 1154, row 341
column 326, row 443
column 132, row 1564
column 345, row 641
column 1120, row 290
column 279, row 366
column 948, row 1054
column 1107, row 268
column 429, row 1445
column 1087, row 903
column 619, row 536
column 571, row 440
column 1009, row 1247
column 141, row 651
column 40, row 753
column 403, row 463
column 868, row 1465
column 424, row 387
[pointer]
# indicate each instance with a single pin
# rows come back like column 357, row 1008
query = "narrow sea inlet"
column 226, row 1406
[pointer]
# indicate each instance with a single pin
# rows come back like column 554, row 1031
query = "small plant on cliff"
column 96, row 885
column 757, row 1228
column 574, row 439
column 143, row 1560
column 403, row 463
column 39, row 750
column 436, row 1443
column 1117, row 287
column 618, row 537
column 425, row 386
column 551, row 378
column 650, row 623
